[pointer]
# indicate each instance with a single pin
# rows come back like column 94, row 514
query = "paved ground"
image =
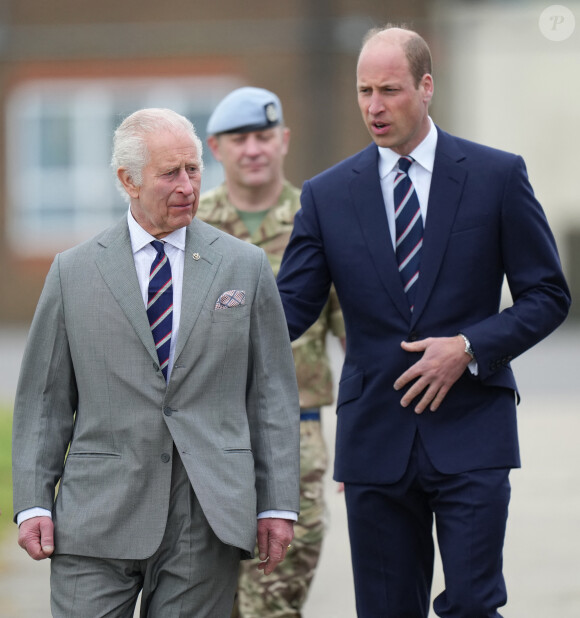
column 542, row 553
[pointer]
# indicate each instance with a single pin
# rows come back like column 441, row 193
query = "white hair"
column 129, row 141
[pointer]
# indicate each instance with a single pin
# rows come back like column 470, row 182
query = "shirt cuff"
column 279, row 515
column 473, row 367
column 37, row 511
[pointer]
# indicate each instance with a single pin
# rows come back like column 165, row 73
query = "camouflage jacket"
column 310, row 356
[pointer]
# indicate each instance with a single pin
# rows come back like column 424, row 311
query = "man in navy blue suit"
column 417, row 232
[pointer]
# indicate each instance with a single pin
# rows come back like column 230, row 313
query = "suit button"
column 168, row 411
column 165, row 457
column 413, row 336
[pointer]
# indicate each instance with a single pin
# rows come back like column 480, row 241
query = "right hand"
column 36, row 536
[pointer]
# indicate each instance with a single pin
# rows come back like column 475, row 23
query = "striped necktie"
column 408, row 229
column 160, row 304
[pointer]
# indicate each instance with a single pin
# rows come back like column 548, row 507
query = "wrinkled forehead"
column 171, row 146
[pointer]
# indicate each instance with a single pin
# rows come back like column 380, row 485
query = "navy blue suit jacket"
column 483, row 224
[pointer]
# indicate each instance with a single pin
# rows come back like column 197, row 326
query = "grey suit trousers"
column 192, row 573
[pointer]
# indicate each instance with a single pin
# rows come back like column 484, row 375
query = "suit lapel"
column 447, row 184
column 199, row 271
column 369, row 205
column 117, row 267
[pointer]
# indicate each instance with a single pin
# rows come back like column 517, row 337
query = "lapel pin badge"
column 196, row 256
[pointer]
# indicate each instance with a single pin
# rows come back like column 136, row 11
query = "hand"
column 274, row 536
column 36, row 536
column 443, row 362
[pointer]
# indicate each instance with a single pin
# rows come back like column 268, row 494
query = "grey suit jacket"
column 90, row 378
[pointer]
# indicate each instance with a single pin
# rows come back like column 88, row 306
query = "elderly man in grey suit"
column 156, row 424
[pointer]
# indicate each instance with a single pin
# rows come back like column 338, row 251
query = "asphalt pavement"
column 542, row 550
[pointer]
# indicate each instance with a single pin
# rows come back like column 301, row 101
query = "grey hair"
column 129, row 141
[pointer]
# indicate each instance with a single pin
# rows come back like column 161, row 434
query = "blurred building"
column 70, row 70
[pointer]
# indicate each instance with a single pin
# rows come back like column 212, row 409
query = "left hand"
column 443, row 362
column 274, row 536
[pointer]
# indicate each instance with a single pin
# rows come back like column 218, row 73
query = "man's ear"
column 428, row 87
column 127, row 181
column 213, row 143
column 285, row 140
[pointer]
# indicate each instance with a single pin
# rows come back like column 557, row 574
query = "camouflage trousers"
column 282, row 593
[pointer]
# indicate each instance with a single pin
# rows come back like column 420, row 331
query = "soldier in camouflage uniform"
column 257, row 204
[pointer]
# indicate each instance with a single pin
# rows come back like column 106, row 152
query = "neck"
column 254, row 199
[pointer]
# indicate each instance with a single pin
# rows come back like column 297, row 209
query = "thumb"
column 47, row 535
column 414, row 346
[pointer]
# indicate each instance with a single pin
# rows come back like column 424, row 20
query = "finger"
column 270, row 565
column 267, row 566
column 438, row 400
column 31, row 545
column 414, row 391
column 405, row 378
column 277, row 553
column 413, row 346
column 47, row 536
column 429, row 395
column 262, row 542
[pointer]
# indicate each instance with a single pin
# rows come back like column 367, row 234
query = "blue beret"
column 244, row 110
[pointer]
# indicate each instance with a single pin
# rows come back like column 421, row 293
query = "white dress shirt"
column 420, row 174
column 144, row 254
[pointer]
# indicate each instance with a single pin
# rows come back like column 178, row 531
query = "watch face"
column 468, row 348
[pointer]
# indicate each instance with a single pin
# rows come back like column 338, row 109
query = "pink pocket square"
column 231, row 298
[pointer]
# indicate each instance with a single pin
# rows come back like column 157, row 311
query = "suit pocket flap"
column 350, row 388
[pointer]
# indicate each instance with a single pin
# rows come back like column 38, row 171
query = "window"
column 60, row 187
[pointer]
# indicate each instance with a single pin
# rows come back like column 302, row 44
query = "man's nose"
column 184, row 183
column 376, row 104
column 252, row 146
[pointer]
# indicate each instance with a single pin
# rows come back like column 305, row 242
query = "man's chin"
column 256, row 179
column 181, row 219
column 383, row 141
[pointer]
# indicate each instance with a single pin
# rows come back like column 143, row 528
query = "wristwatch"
column 468, row 348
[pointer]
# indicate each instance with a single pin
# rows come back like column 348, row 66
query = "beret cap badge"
column 271, row 112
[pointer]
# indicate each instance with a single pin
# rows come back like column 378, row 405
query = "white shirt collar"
column 140, row 238
column 424, row 154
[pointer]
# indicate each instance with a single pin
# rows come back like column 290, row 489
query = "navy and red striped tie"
column 160, row 304
column 408, row 229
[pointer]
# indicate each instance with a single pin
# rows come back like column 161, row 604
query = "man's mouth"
column 254, row 167
column 380, row 127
